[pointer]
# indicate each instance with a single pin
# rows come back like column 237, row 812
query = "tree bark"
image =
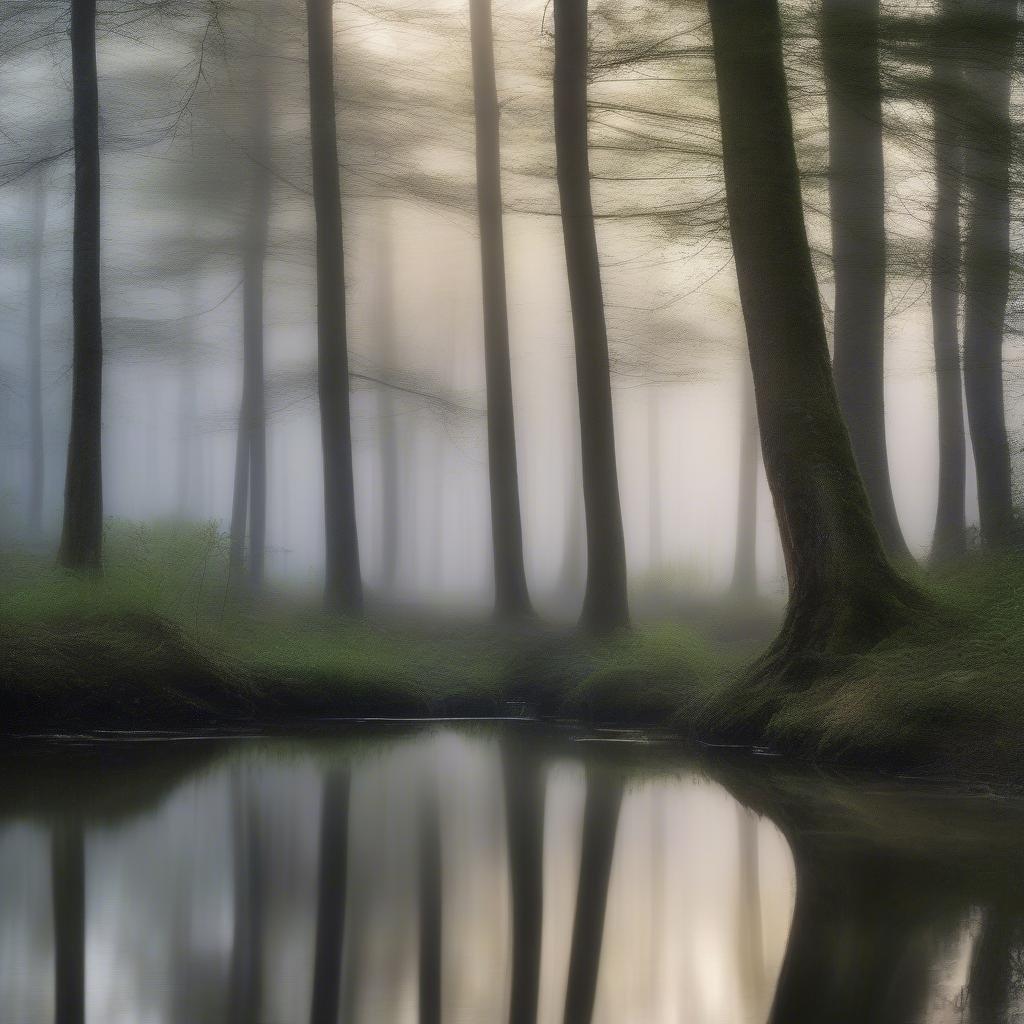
column 36, row 451
column 844, row 594
column 331, row 891
column 987, row 259
column 605, row 602
column 950, row 536
column 343, row 587
column 744, row 573
column 82, row 533
column 511, row 598
column 68, row 883
column 850, row 36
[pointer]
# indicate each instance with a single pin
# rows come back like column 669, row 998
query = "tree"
column 843, row 592
column 36, row 450
column 511, row 598
column 343, row 589
column 950, row 536
column 605, row 601
column 82, row 532
column 67, row 864
column 744, row 573
column 987, row 258
column 849, row 38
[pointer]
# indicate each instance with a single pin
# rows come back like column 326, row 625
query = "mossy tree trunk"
column 605, row 601
column 850, row 37
column 511, row 598
column 81, row 540
column 844, row 594
column 343, row 587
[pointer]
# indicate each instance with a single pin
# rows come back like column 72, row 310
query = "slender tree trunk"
column 343, row 590
column 950, row 536
column 987, row 257
column 239, row 501
column 511, row 598
column 82, row 533
column 67, row 865
column 430, row 885
column 744, row 573
column 572, row 572
column 605, row 603
column 600, row 825
column 36, row 451
column 388, row 411
column 524, row 809
column 850, row 31
column 330, row 911
column 843, row 592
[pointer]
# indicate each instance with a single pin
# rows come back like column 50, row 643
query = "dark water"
column 473, row 875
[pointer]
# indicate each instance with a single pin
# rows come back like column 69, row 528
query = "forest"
column 511, row 511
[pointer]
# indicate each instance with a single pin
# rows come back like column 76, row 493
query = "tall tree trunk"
column 843, row 592
column 850, row 36
column 950, row 537
column 524, row 810
column 67, row 865
column 239, row 500
column 36, row 451
column 430, row 884
column 605, row 603
column 987, row 262
column 600, row 825
column 744, row 573
column 511, row 599
column 343, row 589
column 387, row 410
column 81, row 540
column 330, row 908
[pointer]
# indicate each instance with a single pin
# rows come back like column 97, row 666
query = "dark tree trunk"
column 843, row 592
column 36, row 451
column 524, row 809
column 850, row 36
column 343, row 589
column 987, row 263
column 511, row 598
column 744, row 573
column 605, row 603
column 82, row 533
column 388, row 413
column 68, row 883
column 600, row 824
column 950, row 537
column 239, row 500
column 247, row 945
column 330, row 908
column 430, row 885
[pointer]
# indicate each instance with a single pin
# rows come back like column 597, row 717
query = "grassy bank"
column 158, row 643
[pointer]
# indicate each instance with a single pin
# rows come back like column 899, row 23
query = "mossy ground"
column 157, row 642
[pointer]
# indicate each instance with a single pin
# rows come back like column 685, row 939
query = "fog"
column 179, row 124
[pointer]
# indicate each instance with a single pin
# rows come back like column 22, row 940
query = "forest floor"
column 156, row 644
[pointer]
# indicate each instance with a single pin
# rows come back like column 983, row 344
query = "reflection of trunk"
column 843, row 592
column 751, row 942
column 950, row 538
column 343, row 589
column 250, row 497
column 600, row 823
column 510, row 594
column 744, row 574
column 987, row 264
column 857, row 191
column 430, row 903
column 68, row 883
column 330, row 909
column 247, row 947
column 387, row 411
column 36, row 452
column 82, row 533
column 524, row 808
column 991, row 973
column 605, row 603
